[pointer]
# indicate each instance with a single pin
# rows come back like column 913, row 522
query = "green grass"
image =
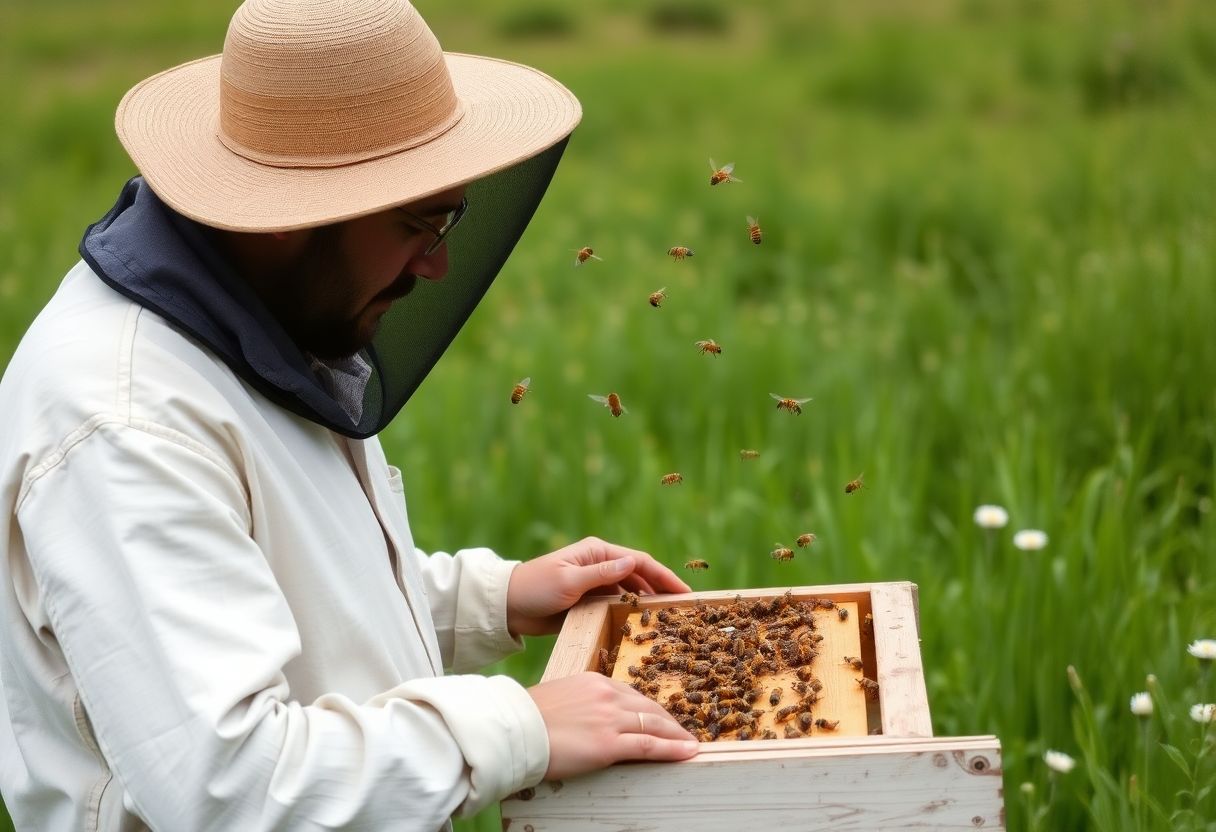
column 990, row 253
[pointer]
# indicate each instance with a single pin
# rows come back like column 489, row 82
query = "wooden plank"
column 903, row 698
column 915, row 784
column 581, row 636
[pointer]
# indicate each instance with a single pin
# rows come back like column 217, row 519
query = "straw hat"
column 323, row 110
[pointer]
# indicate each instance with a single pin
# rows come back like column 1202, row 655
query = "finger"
column 659, row 576
column 658, row 724
column 638, row 584
column 650, row 747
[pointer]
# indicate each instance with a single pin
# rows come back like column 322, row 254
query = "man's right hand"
column 594, row 721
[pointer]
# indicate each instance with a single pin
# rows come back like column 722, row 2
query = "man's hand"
column 594, row 721
column 541, row 590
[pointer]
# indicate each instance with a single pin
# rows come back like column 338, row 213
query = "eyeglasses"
column 450, row 221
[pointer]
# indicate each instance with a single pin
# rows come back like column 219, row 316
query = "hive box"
column 881, row 769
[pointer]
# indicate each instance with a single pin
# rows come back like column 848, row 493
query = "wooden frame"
column 901, row 777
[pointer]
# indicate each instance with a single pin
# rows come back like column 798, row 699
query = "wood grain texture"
column 901, row 677
column 937, row 783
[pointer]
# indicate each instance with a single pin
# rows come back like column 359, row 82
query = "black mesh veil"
column 418, row 328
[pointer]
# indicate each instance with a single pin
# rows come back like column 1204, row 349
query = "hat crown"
column 319, row 83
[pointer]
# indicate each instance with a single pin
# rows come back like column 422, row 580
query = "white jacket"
column 213, row 614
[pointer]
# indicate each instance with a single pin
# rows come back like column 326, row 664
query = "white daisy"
column 991, row 517
column 1203, row 713
column 1142, row 704
column 1030, row 540
column 1059, row 761
column 1203, row 649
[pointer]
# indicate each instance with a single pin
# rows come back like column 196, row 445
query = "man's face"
column 332, row 290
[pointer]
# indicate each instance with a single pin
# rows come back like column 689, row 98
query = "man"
column 214, row 616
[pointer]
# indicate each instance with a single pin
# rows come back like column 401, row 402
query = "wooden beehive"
column 880, row 769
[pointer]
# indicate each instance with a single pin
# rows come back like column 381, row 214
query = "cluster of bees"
column 719, row 657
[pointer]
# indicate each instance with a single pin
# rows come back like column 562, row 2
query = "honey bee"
column 792, row 733
column 769, row 734
column 709, row 346
column 842, row 613
column 672, row 479
column 774, row 697
column 612, row 401
column 722, row 174
column 854, row 661
column 630, row 598
column 782, row 553
column 517, row 393
column 827, row 724
column 792, row 405
column 656, row 298
column 734, row 720
column 805, row 721
column 680, row 252
column 869, row 686
column 785, row 713
column 626, row 630
column 805, row 540
column 867, row 624
column 647, row 636
column 605, row 665
column 696, row 564
column 753, row 230
column 748, row 453
column 853, row 485
column 584, row 254
column 646, row 614
column 745, row 733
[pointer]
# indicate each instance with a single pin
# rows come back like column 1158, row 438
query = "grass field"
column 989, row 256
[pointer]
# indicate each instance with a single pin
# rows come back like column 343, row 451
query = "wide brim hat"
column 324, row 110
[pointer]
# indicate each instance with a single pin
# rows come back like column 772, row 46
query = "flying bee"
column 630, row 598
column 753, row 230
column 722, row 174
column 854, row 661
column 869, row 686
column 673, row 478
column 584, row 254
column 696, row 564
column 842, row 613
column 827, row 724
column 748, row 453
column 782, row 553
column 680, row 252
column 709, row 346
column 656, row 298
column 853, row 485
column 805, row 540
column 792, row 405
column 612, row 401
column 517, row 393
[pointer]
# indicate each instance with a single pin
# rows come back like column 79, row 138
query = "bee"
column 785, row 713
column 605, row 665
column 517, row 392
column 626, row 630
column 792, row 733
column 672, row 479
column 647, row 636
column 680, row 252
column 630, row 598
column 745, row 733
column 782, row 553
column 769, row 734
column 696, row 564
column 805, row 540
column 612, row 401
column 854, row 661
column 827, row 724
column 842, row 613
column 853, row 485
column 722, row 174
column 774, row 697
column 805, row 720
column 753, row 230
column 792, row 405
column 709, row 346
column 869, row 686
column 646, row 617
column 584, row 254
column 867, row 624
column 656, row 298
column 734, row 720
column 748, row 453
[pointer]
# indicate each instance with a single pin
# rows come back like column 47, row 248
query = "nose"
column 433, row 266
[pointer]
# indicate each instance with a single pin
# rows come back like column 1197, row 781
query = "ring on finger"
column 641, row 722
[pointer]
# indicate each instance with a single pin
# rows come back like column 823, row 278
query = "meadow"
column 989, row 256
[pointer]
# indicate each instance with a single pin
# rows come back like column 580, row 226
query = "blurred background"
column 989, row 255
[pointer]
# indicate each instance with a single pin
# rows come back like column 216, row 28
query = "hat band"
column 335, row 160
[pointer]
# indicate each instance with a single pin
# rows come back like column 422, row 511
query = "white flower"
column 1203, row 649
column 1030, row 540
column 991, row 517
column 1142, row 704
column 1203, row 713
column 1059, row 761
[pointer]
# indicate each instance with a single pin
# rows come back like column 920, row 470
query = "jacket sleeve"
column 176, row 634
